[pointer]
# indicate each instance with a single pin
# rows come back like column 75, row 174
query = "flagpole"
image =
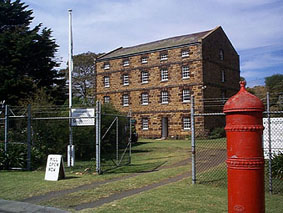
column 70, row 153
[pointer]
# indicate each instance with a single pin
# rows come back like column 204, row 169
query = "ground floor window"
column 145, row 123
column 186, row 123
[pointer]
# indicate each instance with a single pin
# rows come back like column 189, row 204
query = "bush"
column 218, row 132
column 277, row 166
column 14, row 157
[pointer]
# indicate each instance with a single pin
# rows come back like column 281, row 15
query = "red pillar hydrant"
column 245, row 162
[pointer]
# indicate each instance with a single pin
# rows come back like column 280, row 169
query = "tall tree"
column 27, row 56
column 274, row 85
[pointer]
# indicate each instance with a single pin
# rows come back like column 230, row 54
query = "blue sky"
column 255, row 27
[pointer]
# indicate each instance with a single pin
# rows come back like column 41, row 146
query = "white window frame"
column 126, row 62
column 144, row 60
column 144, row 99
column 145, row 124
column 106, row 99
column 125, row 79
column 144, row 77
column 185, row 72
column 106, row 66
column 164, row 74
column 163, row 56
column 106, row 81
column 186, row 95
column 186, row 123
column 125, row 100
column 185, row 53
column 164, row 97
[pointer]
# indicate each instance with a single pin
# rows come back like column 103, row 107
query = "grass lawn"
column 147, row 156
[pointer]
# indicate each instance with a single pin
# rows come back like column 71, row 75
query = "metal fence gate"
column 209, row 148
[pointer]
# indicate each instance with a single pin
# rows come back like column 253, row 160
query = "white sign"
column 84, row 117
column 276, row 132
column 54, row 168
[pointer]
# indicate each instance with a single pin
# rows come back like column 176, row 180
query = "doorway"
column 164, row 133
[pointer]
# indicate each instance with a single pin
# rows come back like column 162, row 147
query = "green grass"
column 147, row 155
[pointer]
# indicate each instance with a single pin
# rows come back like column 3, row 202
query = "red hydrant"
column 245, row 162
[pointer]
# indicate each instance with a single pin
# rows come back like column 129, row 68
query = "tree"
column 83, row 77
column 274, row 85
column 27, row 56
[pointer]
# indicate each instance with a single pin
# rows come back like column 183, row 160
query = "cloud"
column 101, row 26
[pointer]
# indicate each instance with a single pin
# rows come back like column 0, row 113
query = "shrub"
column 277, row 166
column 217, row 132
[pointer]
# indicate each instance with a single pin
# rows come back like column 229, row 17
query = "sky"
column 255, row 27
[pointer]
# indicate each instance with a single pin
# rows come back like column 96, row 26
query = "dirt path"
column 205, row 160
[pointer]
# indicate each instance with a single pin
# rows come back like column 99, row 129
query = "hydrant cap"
column 243, row 101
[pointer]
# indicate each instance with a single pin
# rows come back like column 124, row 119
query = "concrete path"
column 8, row 206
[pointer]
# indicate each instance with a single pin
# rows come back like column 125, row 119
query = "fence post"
column 269, row 144
column 29, row 139
column 117, row 139
column 130, row 139
column 193, row 140
column 6, row 127
column 97, row 134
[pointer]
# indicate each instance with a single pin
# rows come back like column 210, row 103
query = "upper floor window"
column 221, row 54
column 126, row 62
column 144, row 98
column 144, row 77
column 185, row 72
column 145, row 124
column 185, row 53
column 126, row 79
column 186, row 95
column 164, row 97
column 106, row 66
column 125, row 100
column 163, row 56
column 144, row 60
column 186, row 123
column 106, row 81
column 222, row 75
column 164, row 74
column 106, row 99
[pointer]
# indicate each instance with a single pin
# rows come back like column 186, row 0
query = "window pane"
column 106, row 66
column 106, row 99
column 145, row 123
column 186, row 95
column 145, row 98
column 163, row 56
column 164, row 97
column 125, row 100
column 106, row 81
column 185, row 53
column 186, row 123
column 185, row 72
column 125, row 79
column 164, row 75
column 144, row 76
column 126, row 63
column 144, row 60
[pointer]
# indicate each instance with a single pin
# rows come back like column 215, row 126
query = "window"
column 106, row 81
column 186, row 123
column 145, row 123
column 144, row 77
column 185, row 53
column 144, row 60
column 163, row 56
column 164, row 97
column 185, row 72
column 106, row 66
column 186, row 95
column 222, row 76
column 125, row 100
column 125, row 79
column 106, row 99
column 221, row 54
column 144, row 98
column 164, row 74
column 126, row 62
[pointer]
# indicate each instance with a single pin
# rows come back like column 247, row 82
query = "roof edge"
column 211, row 31
column 109, row 53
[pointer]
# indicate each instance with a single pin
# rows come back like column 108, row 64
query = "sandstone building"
column 156, row 80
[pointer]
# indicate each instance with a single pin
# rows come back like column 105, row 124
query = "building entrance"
column 164, row 133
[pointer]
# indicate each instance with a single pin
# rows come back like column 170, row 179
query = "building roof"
column 156, row 45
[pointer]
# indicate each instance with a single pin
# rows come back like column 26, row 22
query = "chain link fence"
column 210, row 145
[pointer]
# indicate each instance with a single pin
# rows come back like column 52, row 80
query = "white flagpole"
column 70, row 150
